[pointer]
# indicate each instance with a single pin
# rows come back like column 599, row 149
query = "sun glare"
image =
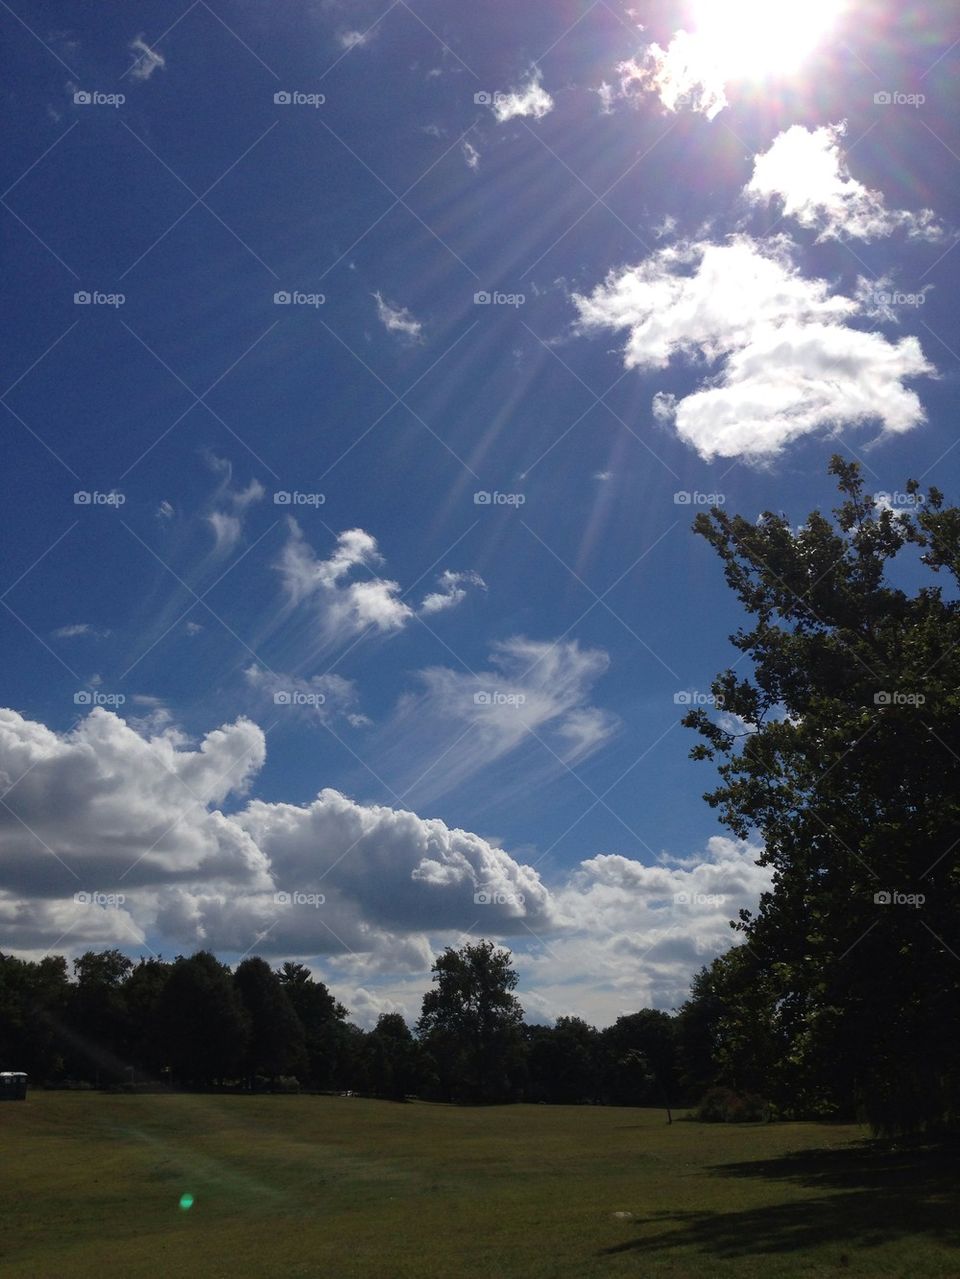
column 762, row 37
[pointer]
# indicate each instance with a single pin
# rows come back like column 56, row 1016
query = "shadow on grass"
column 874, row 1193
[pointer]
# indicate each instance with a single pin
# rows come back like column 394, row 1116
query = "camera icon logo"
column 882, row 898
column 281, row 498
column 82, row 98
column 282, row 899
column 281, row 698
column 883, row 98
column 682, row 699
column 482, row 699
column 282, row 98
column 81, row 498
column 483, row 99
column 482, row 498
column 482, row 897
column 282, row 298
column 82, row 298
column 83, row 698
column 682, row 498
column 482, row 298
column 882, row 699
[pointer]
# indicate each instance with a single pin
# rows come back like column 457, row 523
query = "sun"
column 754, row 38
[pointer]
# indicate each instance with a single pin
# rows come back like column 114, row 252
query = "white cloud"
column 351, row 39
column 606, row 93
column 116, row 808
column 347, row 604
column 226, row 530
column 471, row 155
column 534, row 697
column 322, row 697
column 612, row 935
column 148, row 60
column 789, row 362
column 685, row 74
column 807, row 170
column 451, row 591
column 228, row 525
column 530, row 100
column 397, row 319
column 165, row 510
column 77, row 629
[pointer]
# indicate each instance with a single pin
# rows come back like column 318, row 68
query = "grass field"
column 327, row 1186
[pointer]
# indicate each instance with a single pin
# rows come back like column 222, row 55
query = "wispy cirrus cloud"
column 397, row 319
column 147, row 61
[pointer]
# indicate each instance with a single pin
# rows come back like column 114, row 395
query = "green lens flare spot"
column 186, row 1201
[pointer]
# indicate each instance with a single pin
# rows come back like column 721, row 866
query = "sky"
column 366, row 365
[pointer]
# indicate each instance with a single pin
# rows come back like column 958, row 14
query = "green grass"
column 298, row 1187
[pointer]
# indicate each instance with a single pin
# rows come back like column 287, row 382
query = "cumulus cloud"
column 529, row 100
column 103, row 805
column 785, row 361
column 397, row 319
column 471, row 155
column 807, row 171
column 147, row 60
column 375, row 890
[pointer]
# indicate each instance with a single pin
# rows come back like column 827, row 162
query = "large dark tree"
column 276, row 1043
column 563, row 1061
column 470, row 1023
column 848, row 766
column 323, row 1020
column 202, row 1021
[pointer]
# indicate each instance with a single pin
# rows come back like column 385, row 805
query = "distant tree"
column 34, row 998
column 641, row 1059
column 98, row 1013
column 563, row 1061
column 848, row 766
column 394, row 1058
column 202, row 1021
column 276, row 1042
column 323, row 1021
column 470, row 1023
column 142, row 992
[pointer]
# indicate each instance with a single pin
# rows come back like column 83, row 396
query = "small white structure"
column 13, row 1085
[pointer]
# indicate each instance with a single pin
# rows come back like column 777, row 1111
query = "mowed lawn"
column 329, row 1186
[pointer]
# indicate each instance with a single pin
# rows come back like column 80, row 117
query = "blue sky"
column 718, row 246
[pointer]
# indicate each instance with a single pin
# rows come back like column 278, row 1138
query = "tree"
column 33, row 1004
column 562, row 1061
column 848, row 766
column 98, row 1014
column 202, row 1021
column 641, row 1066
column 276, row 1042
column 394, row 1058
column 323, row 1021
column 470, row 1023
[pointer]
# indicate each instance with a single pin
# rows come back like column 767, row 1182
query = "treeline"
column 195, row 1023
